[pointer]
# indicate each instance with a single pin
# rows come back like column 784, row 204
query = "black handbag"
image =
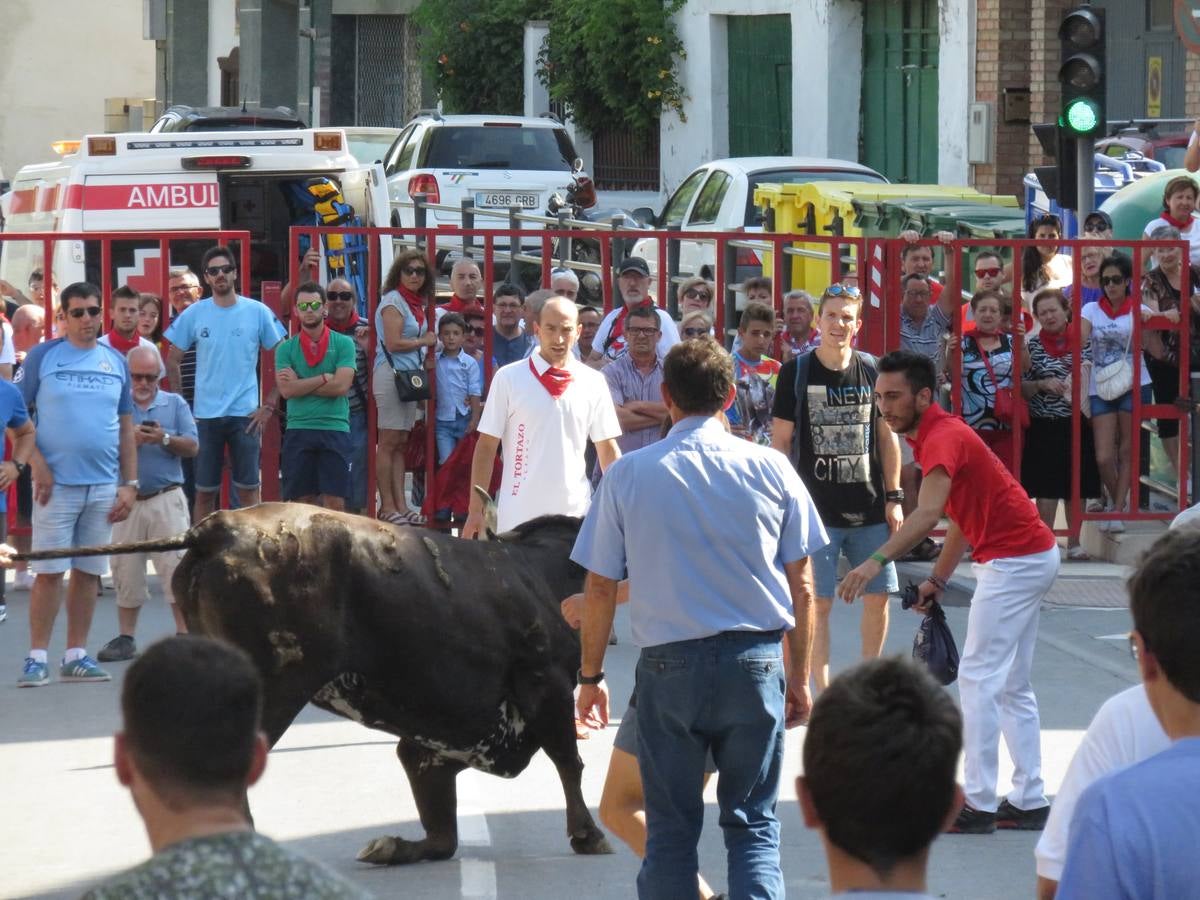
column 411, row 384
column 933, row 644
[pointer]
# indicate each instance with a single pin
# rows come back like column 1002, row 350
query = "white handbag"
column 1116, row 379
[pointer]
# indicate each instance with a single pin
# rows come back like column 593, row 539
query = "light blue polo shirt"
column 703, row 523
column 76, row 396
column 158, row 467
column 12, row 415
column 227, row 340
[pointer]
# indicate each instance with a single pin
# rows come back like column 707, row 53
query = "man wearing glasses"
column 165, row 434
column 635, row 382
column 84, row 476
column 633, row 281
column 227, row 331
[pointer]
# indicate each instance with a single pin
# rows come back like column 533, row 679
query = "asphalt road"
column 332, row 785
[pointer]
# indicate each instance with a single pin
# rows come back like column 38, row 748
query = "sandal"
column 1078, row 554
column 392, row 518
column 412, row 518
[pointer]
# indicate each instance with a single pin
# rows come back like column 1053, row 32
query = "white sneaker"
column 1116, row 526
column 22, row 580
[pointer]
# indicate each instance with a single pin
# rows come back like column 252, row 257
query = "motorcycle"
column 579, row 204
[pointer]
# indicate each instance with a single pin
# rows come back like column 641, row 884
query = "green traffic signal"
column 1082, row 116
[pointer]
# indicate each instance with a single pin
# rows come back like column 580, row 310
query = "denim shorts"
column 76, row 516
column 217, row 434
column 316, row 461
column 1124, row 403
column 857, row 544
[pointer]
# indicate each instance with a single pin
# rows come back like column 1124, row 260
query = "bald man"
column 543, row 410
column 28, row 324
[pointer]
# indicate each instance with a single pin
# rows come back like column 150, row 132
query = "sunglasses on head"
column 309, row 305
column 695, row 332
column 214, row 271
column 80, row 311
column 1112, row 279
column 340, row 295
column 842, row 290
column 414, row 270
column 992, row 272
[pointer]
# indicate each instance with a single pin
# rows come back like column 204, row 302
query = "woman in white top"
column 1107, row 326
column 1179, row 207
column 1042, row 265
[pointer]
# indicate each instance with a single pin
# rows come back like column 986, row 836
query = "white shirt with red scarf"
column 544, row 438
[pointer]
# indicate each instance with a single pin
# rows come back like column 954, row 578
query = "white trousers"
column 993, row 678
column 160, row 516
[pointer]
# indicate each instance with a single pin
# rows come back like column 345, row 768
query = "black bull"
column 455, row 647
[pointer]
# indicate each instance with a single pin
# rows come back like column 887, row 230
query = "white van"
column 189, row 181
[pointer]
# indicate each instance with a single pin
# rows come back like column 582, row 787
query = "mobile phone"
column 149, row 422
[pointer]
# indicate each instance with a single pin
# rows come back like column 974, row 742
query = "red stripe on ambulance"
column 162, row 195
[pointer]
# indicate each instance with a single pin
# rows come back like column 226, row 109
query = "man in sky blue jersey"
column 227, row 330
column 84, row 475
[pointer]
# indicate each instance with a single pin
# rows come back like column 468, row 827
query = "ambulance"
column 144, row 184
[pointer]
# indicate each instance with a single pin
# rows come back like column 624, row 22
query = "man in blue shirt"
column 14, row 418
column 708, row 609
column 84, row 475
column 165, row 434
column 227, row 331
column 1134, row 832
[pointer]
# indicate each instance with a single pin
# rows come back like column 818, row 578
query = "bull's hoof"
column 395, row 851
column 591, row 842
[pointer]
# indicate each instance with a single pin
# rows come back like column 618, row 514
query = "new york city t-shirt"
column 838, row 451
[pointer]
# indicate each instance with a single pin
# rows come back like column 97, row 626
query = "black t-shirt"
column 838, row 450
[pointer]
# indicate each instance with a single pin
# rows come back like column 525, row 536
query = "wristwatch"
column 21, row 467
column 166, row 439
column 133, row 484
column 589, row 679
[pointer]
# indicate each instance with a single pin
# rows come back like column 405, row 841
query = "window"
column 400, row 155
column 673, row 212
column 498, row 147
column 708, row 204
column 1160, row 15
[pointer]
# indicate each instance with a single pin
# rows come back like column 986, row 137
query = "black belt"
column 169, row 487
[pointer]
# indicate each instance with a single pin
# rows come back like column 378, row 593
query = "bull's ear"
column 489, row 512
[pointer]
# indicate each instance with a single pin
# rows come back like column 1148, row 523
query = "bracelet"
column 894, row 496
column 879, row 558
column 270, row 407
column 939, row 583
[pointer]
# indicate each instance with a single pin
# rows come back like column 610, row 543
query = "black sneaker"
column 1010, row 817
column 973, row 821
column 119, row 649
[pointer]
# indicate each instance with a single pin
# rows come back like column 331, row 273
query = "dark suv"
column 226, row 118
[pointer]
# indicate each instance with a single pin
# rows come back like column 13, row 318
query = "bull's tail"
column 184, row 541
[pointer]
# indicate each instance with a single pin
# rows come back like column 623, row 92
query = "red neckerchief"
column 555, row 381
column 314, row 351
column 618, row 326
column 121, row 345
column 1181, row 224
column 1057, row 345
column 349, row 327
column 1120, row 311
column 416, row 303
column 456, row 304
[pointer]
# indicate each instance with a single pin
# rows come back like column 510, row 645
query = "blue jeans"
column 357, row 501
column 723, row 693
column 449, row 434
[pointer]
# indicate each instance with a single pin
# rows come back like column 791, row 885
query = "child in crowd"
column 754, row 374
column 459, row 387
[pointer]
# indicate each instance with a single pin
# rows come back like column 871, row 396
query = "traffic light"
column 1082, row 74
column 1059, row 181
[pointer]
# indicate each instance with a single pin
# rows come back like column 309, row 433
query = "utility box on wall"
column 128, row 114
column 980, row 134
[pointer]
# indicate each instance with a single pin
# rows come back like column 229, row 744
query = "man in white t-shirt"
column 1123, row 732
column 633, row 281
column 543, row 409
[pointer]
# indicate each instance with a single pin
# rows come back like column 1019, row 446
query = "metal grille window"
column 623, row 163
column 370, row 71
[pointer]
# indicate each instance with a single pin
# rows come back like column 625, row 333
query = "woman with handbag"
column 1106, row 328
column 1162, row 291
column 400, row 380
column 989, row 405
column 1047, row 463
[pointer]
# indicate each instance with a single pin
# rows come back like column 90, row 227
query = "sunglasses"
column 414, row 270
column 340, row 295
column 1094, row 228
column 309, row 305
column 80, row 311
column 988, row 273
column 214, row 271
column 477, row 330
column 695, row 332
column 1112, row 279
column 693, row 294
column 137, row 376
column 842, row 290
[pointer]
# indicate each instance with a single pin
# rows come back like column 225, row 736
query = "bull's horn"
column 489, row 512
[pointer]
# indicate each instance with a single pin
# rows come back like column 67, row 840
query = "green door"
column 760, row 85
column 899, row 134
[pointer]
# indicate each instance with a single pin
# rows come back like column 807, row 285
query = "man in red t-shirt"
column 1016, row 562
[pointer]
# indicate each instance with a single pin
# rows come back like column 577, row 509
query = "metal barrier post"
column 420, row 217
column 728, row 270
column 514, row 245
column 564, row 244
column 468, row 222
column 1195, row 417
